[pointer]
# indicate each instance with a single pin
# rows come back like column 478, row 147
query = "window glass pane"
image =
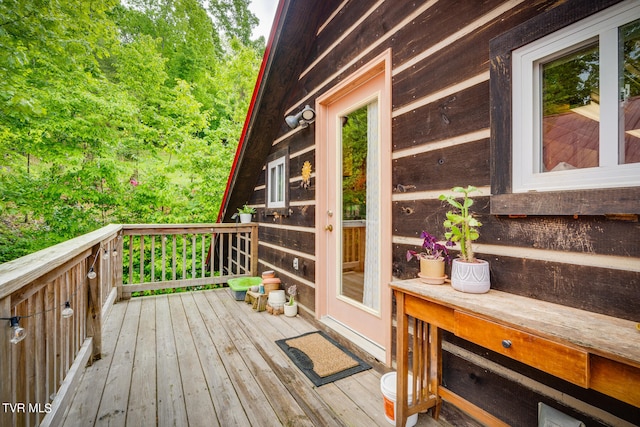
column 571, row 111
column 630, row 91
column 272, row 184
column 355, row 128
column 280, row 184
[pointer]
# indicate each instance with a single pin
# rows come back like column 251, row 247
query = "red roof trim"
column 252, row 105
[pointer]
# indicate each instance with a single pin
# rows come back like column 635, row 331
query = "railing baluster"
column 233, row 260
column 60, row 343
column 153, row 258
column 141, row 258
column 247, row 259
column 164, row 257
column 203, row 255
column 50, row 340
column 254, row 250
column 221, row 263
column 173, row 257
column 5, row 364
column 40, row 360
column 184, row 256
column 193, row 256
column 68, row 324
column 130, row 259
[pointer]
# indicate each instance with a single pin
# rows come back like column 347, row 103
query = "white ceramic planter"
column 245, row 218
column 291, row 310
column 470, row 277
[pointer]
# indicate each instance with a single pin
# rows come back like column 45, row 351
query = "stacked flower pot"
column 276, row 298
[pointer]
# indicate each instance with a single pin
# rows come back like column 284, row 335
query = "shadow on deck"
column 202, row 358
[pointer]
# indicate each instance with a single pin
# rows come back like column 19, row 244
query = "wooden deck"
column 203, row 358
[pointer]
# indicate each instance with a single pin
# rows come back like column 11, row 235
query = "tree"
column 114, row 113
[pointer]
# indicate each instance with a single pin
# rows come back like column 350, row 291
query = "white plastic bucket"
column 276, row 297
column 388, row 388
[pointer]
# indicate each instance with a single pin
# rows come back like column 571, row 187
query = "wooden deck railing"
column 177, row 256
column 353, row 245
column 38, row 375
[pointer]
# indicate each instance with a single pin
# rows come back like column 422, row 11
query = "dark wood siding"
column 441, row 138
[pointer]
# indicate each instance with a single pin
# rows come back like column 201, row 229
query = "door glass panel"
column 359, row 137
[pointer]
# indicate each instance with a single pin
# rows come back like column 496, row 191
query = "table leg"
column 435, row 367
column 402, row 356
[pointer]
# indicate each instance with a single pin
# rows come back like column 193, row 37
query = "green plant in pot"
column 468, row 274
column 432, row 259
column 291, row 307
column 246, row 213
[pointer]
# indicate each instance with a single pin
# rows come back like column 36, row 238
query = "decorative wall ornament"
column 306, row 174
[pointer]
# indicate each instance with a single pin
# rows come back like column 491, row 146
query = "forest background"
column 118, row 112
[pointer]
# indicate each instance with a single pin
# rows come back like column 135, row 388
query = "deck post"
column 5, row 363
column 119, row 267
column 254, row 249
column 94, row 307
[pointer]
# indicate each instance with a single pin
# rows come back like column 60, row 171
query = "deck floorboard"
column 202, row 358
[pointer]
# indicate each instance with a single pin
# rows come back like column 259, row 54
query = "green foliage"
column 571, row 81
column 354, row 149
column 246, row 209
column 461, row 225
column 172, row 250
column 114, row 113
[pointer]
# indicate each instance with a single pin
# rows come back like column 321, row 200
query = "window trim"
column 280, row 157
column 504, row 200
column 526, row 103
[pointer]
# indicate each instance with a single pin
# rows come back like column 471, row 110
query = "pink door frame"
column 371, row 80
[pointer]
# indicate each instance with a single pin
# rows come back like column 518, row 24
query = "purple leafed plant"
column 432, row 249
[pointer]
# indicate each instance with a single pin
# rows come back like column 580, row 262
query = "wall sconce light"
column 302, row 119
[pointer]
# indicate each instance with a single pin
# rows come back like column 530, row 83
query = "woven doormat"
column 321, row 358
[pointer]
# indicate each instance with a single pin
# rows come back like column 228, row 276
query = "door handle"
column 329, row 227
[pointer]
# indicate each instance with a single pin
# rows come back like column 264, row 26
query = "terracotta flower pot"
column 432, row 271
column 271, row 284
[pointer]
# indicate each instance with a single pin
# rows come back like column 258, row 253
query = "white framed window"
column 277, row 180
column 576, row 105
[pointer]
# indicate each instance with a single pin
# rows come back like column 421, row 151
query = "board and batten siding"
column 441, row 139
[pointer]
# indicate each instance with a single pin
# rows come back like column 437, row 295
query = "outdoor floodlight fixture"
column 302, row 119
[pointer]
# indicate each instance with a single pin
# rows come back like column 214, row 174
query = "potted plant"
column 432, row 259
column 468, row 274
column 291, row 307
column 245, row 213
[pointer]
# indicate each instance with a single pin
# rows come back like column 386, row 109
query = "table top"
column 607, row 336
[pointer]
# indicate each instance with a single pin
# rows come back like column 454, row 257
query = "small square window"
column 277, row 180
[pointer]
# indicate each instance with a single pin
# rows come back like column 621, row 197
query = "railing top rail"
column 183, row 228
column 197, row 225
column 19, row 272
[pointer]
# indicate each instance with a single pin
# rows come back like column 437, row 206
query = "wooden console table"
column 588, row 349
